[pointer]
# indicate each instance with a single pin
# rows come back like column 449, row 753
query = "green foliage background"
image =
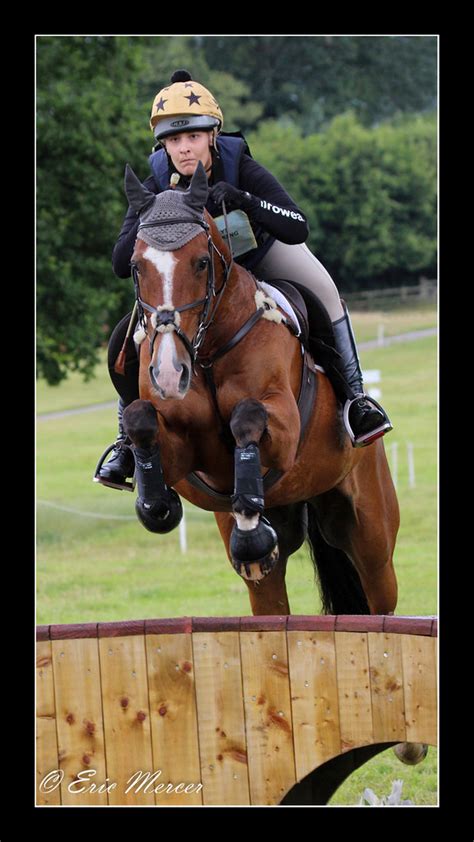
column 347, row 124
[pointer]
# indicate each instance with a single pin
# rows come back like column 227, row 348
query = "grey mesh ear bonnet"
column 170, row 204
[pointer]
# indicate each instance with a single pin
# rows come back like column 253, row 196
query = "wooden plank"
column 420, row 688
column 268, row 715
column 221, row 718
column 47, row 759
column 314, row 698
column 173, row 719
column 386, row 680
column 355, row 709
column 79, row 721
column 126, row 719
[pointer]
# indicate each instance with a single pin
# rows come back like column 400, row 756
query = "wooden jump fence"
column 229, row 710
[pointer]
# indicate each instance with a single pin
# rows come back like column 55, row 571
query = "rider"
column 187, row 123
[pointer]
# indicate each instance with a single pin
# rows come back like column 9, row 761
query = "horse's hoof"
column 411, row 753
column 254, row 552
column 160, row 515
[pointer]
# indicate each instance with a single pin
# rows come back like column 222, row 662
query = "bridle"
column 165, row 315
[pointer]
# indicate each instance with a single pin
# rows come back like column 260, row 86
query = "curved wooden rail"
column 226, row 710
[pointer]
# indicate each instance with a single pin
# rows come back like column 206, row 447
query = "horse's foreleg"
column 158, row 507
column 268, row 595
column 253, row 542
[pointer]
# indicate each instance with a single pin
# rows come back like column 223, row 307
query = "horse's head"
column 173, row 268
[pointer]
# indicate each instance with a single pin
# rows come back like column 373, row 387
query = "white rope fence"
column 81, row 513
column 183, row 543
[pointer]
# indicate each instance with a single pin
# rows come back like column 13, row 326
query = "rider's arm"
column 270, row 205
column 124, row 246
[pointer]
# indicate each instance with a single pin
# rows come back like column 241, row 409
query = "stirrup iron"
column 125, row 486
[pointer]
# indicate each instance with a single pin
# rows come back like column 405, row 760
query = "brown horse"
column 219, row 421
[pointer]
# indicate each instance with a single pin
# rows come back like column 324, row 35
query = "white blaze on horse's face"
column 164, row 262
column 170, row 368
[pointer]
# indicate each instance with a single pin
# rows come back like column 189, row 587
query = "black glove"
column 232, row 196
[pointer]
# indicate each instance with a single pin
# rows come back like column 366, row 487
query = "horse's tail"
column 339, row 583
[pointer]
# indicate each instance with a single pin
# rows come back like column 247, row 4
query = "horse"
column 219, row 420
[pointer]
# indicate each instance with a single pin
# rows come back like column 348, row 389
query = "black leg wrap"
column 158, row 507
column 248, row 483
column 258, row 545
column 254, row 545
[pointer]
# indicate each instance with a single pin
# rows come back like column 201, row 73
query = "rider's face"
column 187, row 149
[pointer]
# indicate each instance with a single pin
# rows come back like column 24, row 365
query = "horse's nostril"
column 152, row 372
column 184, row 379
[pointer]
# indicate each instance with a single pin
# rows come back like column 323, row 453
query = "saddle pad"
column 283, row 303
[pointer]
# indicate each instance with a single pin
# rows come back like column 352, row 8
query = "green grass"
column 98, row 569
column 420, row 783
column 366, row 325
column 74, row 393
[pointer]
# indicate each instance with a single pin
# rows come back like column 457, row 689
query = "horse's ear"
column 139, row 197
column 196, row 194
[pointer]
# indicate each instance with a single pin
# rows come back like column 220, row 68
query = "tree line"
column 348, row 125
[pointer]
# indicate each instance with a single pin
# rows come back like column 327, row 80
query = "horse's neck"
column 236, row 306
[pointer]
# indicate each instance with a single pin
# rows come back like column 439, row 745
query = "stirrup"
column 125, row 486
column 364, row 439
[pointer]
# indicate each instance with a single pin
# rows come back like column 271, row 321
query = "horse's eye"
column 202, row 264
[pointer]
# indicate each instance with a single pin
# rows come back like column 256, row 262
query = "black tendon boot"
column 365, row 420
column 122, row 463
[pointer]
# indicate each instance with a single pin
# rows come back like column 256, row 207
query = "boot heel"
column 121, row 485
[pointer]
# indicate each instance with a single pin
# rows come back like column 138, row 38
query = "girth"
column 305, row 404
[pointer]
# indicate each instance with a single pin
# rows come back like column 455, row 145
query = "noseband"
column 167, row 316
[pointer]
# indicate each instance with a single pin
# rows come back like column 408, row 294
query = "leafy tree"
column 313, row 78
column 84, row 94
column 369, row 194
column 94, row 96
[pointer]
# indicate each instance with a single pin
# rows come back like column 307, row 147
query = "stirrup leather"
column 367, row 438
column 125, row 486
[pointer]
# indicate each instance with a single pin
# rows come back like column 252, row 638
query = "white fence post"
column 411, row 464
column 370, row 376
column 183, row 542
column 394, row 461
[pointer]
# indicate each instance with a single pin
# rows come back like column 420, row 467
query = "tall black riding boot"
column 365, row 420
column 122, row 463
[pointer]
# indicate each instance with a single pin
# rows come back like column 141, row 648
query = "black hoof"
column 160, row 515
column 254, row 547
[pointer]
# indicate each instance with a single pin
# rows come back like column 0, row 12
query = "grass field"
column 95, row 562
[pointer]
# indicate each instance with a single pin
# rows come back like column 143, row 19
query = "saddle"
column 317, row 334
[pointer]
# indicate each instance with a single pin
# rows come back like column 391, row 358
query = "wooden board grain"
column 47, row 760
column 419, row 658
column 171, row 687
column 79, row 721
column 268, row 715
column 222, row 736
column 353, row 681
column 386, row 679
column 126, row 719
column 314, row 698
